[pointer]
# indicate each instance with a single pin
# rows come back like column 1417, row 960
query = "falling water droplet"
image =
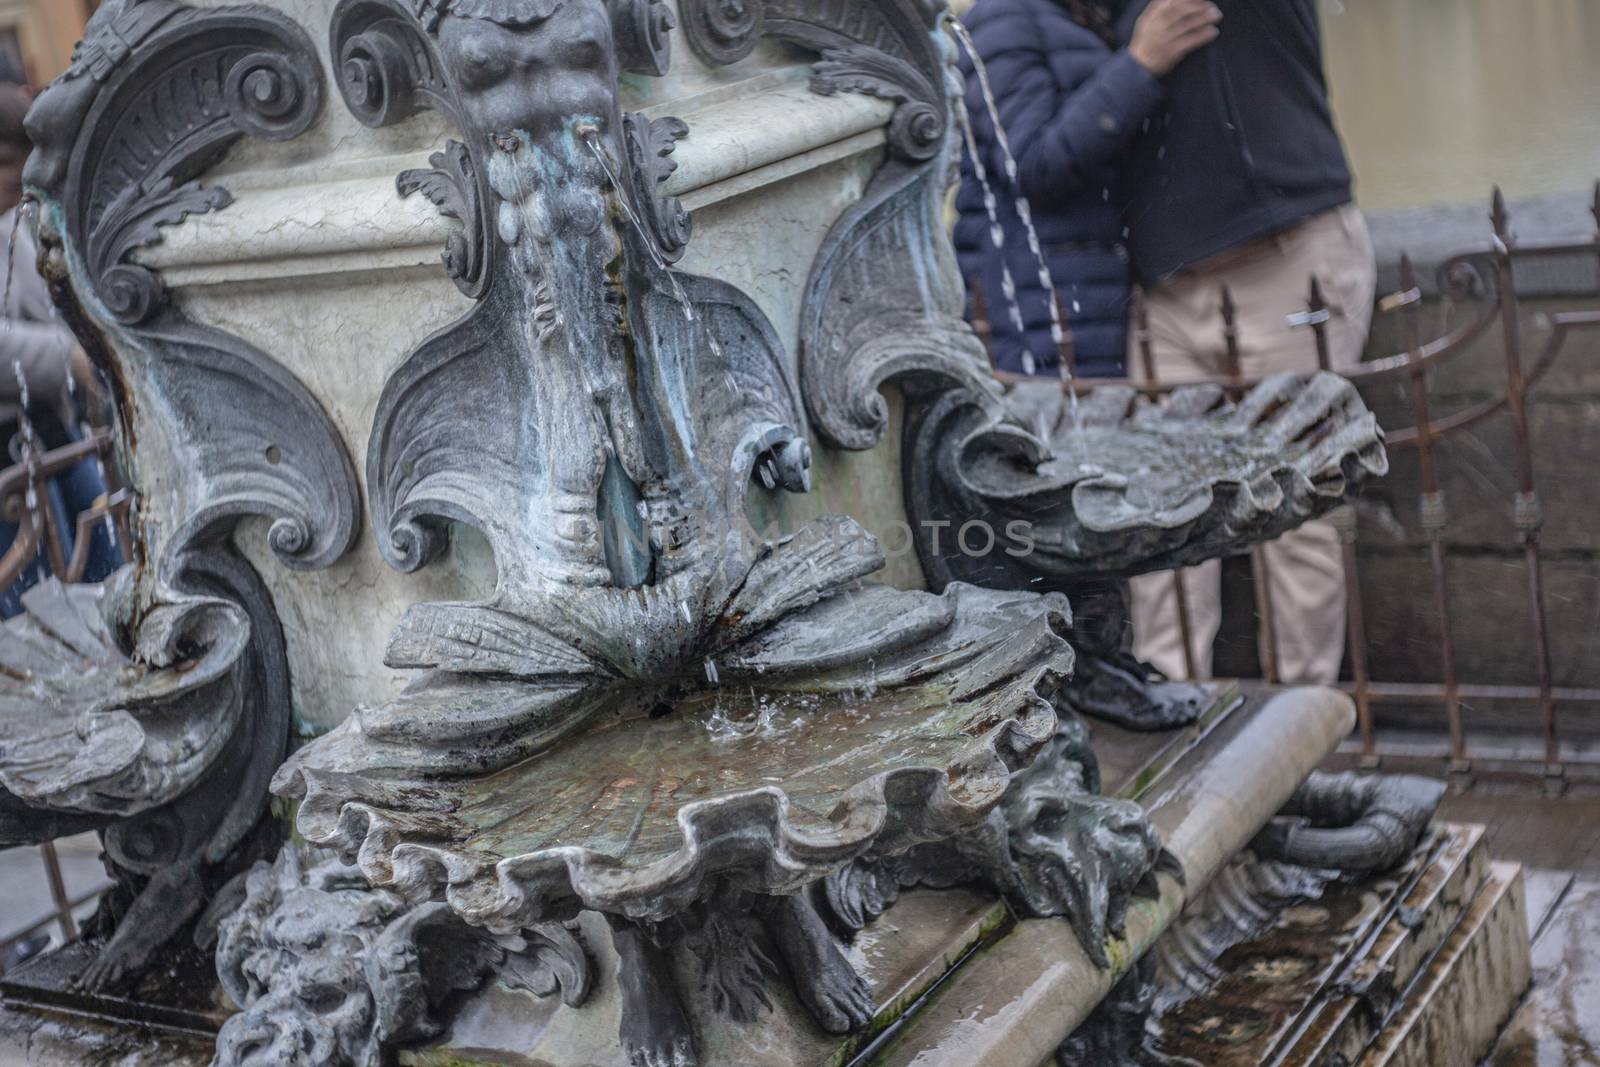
column 1020, row 202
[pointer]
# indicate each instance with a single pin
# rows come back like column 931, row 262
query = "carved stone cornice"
column 155, row 95
column 884, row 49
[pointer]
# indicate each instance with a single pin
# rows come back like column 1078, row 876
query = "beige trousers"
column 1269, row 282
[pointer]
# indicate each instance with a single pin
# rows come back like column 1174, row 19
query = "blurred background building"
column 36, row 37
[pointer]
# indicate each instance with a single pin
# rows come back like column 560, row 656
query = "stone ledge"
column 319, row 218
column 1432, row 234
column 1016, row 1001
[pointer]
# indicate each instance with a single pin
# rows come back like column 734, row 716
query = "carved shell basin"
column 87, row 728
column 812, row 749
column 1134, row 486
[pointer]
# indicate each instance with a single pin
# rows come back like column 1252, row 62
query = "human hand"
column 1168, row 30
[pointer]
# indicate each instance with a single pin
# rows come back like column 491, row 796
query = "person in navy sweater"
column 1241, row 183
column 1070, row 102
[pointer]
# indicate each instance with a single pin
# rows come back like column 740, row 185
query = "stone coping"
column 341, row 216
column 1015, row 1001
column 1432, row 234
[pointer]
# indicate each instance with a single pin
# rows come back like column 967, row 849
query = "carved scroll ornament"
column 155, row 707
column 155, row 95
column 601, row 417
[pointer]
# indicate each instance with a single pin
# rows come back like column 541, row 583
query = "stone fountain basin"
column 1130, row 485
column 767, row 781
column 87, row 727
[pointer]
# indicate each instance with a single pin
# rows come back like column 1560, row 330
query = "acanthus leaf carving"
column 650, row 144
column 452, row 187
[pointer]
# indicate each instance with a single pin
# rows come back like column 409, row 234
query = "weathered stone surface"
column 1493, row 626
column 1557, row 1025
column 1345, row 1022
column 788, row 756
column 1477, row 471
column 1470, row 987
column 1018, row 999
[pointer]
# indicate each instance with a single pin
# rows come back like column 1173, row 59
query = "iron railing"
column 24, row 500
column 1485, row 281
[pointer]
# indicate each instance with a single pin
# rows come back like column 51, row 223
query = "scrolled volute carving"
column 723, row 31
column 154, row 94
column 388, row 69
column 157, row 93
column 643, row 30
column 917, row 129
column 886, row 50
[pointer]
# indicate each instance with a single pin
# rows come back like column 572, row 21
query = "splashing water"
column 649, row 242
column 766, row 719
column 997, row 234
column 30, row 449
column 1024, row 212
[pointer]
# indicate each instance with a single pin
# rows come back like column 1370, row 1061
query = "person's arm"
column 1065, row 137
column 1063, row 142
column 41, row 352
column 33, row 341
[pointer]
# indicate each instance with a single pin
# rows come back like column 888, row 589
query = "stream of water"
column 1024, row 212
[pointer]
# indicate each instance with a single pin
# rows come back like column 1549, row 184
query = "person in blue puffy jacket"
column 1070, row 102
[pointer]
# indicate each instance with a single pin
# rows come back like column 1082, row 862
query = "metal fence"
column 24, row 501
column 1484, row 282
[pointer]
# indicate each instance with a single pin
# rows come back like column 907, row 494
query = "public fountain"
column 636, row 728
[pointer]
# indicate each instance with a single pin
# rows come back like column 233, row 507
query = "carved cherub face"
column 530, row 65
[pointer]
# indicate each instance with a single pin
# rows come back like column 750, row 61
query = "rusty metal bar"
column 1527, row 511
column 1434, row 693
column 105, row 506
column 1232, row 366
column 11, row 940
column 1347, row 523
column 37, row 525
column 1315, row 318
column 1185, row 625
column 1434, row 515
column 981, row 323
column 1066, row 351
column 1141, row 328
column 58, row 891
column 1562, row 324
column 1261, row 573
